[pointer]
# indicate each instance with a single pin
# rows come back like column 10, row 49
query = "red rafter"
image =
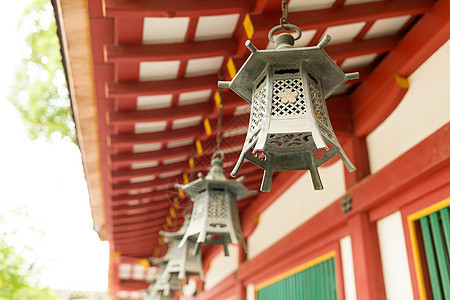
column 376, row 98
column 165, row 52
column 175, row 8
column 161, row 87
column 162, row 114
column 324, row 18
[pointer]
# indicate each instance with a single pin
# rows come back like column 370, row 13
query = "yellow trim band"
column 300, row 268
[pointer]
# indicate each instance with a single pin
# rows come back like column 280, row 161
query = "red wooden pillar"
column 240, row 290
column 113, row 280
column 356, row 149
column 366, row 258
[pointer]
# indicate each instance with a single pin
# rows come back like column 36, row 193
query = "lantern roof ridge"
column 332, row 77
column 174, row 235
column 216, row 178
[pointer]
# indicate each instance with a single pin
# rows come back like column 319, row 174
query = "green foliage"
column 16, row 274
column 14, row 282
column 39, row 90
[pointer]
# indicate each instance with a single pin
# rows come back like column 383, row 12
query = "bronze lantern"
column 215, row 215
column 289, row 121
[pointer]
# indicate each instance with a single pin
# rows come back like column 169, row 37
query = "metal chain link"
column 219, row 122
column 284, row 19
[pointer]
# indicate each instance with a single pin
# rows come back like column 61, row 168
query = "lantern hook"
column 219, row 154
column 285, row 27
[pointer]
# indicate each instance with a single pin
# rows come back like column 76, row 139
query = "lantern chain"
column 219, row 121
column 284, row 19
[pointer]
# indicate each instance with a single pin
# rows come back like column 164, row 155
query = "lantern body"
column 164, row 285
column 215, row 215
column 289, row 121
column 183, row 261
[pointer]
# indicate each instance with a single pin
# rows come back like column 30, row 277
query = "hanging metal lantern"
column 215, row 215
column 289, row 121
column 163, row 286
column 184, row 261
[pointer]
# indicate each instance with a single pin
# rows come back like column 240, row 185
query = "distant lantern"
column 183, row 261
column 164, row 286
column 215, row 215
column 289, row 123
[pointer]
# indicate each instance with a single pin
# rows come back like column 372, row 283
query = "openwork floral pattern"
column 288, row 96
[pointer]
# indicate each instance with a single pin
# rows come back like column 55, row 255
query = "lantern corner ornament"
column 289, row 126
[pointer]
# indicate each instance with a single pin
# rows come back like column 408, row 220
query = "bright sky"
column 48, row 180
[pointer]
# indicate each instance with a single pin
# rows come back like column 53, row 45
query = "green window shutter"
column 316, row 282
column 435, row 230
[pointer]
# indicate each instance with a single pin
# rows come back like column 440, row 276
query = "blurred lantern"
column 289, row 121
column 164, row 286
column 183, row 259
column 215, row 215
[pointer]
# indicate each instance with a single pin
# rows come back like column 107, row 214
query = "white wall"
column 424, row 109
column 394, row 258
column 295, row 206
column 222, row 266
column 348, row 270
column 250, row 292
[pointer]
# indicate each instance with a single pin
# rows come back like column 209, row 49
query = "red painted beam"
column 158, row 170
column 376, row 98
column 230, row 122
column 149, row 230
column 152, row 196
column 161, row 183
column 117, row 228
column 165, row 52
column 158, row 155
column 160, row 87
column 182, row 167
column 362, row 47
column 157, row 184
column 135, row 239
column 143, row 249
column 175, row 8
column 164, row 154
column 324, row 18
column 132, row 139
column 129, row 285
column 140, row 217
column 162, row 114
column 141, row 208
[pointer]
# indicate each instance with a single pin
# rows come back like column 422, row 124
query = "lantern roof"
column 216, row 178
column 332, row 77
column 171, row 236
